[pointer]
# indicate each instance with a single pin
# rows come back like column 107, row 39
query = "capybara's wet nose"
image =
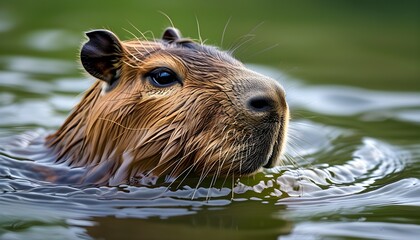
column 261, row 104
column 263, row 97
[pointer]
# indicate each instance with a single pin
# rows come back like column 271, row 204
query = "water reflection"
column 7, row 22
column 51, row 40
column 34, row 65
column 350, row 101
column 239, row 221
column 356, row 229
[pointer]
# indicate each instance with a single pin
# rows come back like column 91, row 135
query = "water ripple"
column 331, row 173
column 363, row 230
column 34, row 65
column 52, row 40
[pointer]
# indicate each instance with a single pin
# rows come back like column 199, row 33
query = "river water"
column 351, row 168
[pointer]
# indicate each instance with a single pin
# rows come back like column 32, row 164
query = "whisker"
column 204, row 174
column 179, row 161
column 134, row 26
column 129, row 64
column 224, row 32
column 198, row 30
column 141, row 42
column 230, row 167
column 264, row 50
column 167, row 17
column 220, row 154
column 186, row 175
column 248, row 37
column 233, row 187
column 212, row 182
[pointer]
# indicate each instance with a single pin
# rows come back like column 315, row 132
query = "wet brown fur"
column 197, row 127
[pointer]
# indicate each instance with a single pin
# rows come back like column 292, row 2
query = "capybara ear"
column 101, row 55
column 171, row 34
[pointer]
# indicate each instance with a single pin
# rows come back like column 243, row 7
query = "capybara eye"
column 162, row 77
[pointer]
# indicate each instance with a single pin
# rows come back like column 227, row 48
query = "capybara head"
column 170, row 107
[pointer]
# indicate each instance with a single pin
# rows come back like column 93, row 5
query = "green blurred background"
column 372, row 44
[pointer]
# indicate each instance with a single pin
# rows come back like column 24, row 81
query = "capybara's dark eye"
column 162, row 77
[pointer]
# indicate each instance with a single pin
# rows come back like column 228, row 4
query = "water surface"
column 351, row 168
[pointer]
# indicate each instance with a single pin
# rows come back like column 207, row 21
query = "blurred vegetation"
column 373, row 44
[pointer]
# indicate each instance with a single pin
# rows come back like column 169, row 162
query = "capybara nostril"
column 261, row 104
